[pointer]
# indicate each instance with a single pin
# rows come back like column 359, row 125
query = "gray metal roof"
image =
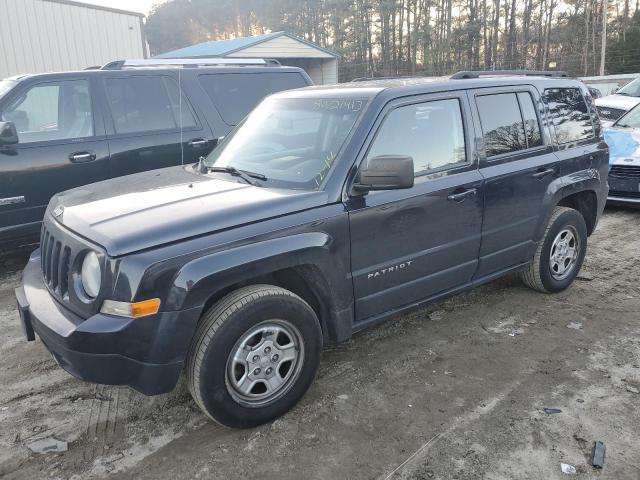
column 220, row 48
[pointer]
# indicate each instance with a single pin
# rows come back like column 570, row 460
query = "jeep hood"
column 148, row 209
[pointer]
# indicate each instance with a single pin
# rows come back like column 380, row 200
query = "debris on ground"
column 575, row 326
column 48, row 445
column 597, row 454
column 551, row 410
column 632, row 389
column 584, row 278
column 568, row 469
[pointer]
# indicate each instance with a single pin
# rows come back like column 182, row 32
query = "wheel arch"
column 578, row 191
column 302, row 264
column 585, row 202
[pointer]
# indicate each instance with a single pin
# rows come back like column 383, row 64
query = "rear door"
column 410, row 245
column 519, row 165
column 148, row 120
column 61, row 145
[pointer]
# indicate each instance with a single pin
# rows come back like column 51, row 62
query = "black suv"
column 327, row 210
column 62, row 130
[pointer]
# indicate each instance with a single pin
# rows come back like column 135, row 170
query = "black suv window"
column 569, row 113
column 509, row 122
column 52, row 111
column 431, row 133
column 236, row 94
column 144, row 104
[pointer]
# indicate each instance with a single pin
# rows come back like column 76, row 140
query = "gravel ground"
column 453, row 391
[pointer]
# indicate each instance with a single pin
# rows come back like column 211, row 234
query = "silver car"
column 612, row 107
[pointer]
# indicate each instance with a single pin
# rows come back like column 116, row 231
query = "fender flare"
column 201, row 278
column 562, row 187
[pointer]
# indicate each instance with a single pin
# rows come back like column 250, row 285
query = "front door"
column 410, row 245
column 61, row 146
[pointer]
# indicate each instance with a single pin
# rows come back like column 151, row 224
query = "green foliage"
column 623, row 54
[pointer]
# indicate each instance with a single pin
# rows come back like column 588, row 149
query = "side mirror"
column 386, row 172
column 8, row 134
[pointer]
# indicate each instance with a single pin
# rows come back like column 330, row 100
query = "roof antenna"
column 180, row 113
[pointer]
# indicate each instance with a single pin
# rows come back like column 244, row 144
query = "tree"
column 421, row 37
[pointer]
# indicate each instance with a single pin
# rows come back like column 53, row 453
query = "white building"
column 55, row 35
column 321, row 64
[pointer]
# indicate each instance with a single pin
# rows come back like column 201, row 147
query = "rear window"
column 236, row 94
column 509, row 122
column 569, row 114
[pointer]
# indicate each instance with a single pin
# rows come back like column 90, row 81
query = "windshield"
column 293, row 142
column 631, row 119
column 5, row 86
column 631, row 89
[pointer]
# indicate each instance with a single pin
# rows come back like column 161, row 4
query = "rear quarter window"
column 569, row 114
column 236, row 94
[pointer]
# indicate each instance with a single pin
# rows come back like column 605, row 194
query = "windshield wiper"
column 243, row 174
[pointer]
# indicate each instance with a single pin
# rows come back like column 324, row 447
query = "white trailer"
column 39, row 36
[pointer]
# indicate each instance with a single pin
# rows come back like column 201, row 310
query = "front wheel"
column 560, row 253
column 255, row 354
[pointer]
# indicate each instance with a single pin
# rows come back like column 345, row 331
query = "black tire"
column 539, row 275
column 228, row 322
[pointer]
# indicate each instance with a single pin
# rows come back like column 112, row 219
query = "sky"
column 142, row 6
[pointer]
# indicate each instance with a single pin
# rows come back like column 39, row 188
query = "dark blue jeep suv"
column 325, row 211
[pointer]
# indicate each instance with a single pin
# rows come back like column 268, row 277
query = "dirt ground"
column 454, row 391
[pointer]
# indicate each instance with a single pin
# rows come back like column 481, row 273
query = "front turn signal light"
column 131, row 310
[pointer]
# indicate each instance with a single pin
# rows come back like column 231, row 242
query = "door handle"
column 198, row 143
column 540, row 174
column 82, row 157
column 461, row 196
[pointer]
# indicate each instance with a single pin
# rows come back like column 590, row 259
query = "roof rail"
column 190, row 62
column 367, row 79
column 508, row 73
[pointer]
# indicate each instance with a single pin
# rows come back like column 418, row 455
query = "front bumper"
column 624, row 191
column 146, row 353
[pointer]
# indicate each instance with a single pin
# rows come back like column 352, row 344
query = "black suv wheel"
column 255, row 354
column 560, row 253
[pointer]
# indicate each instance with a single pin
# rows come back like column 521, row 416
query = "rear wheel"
column 254, row 356
column 560, row 253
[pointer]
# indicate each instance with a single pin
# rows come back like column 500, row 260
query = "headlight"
column 91, row 275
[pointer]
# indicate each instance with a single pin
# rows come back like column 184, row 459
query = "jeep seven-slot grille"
column 611, row 114
column 625, row 171
column 55, row 258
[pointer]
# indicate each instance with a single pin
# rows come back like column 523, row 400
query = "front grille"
column 625, row 171
column 624, row 194
column 611, row 114
column 55, row 258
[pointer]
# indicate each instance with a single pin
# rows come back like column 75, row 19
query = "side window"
column 145, row 104
column 509, row 122
column 569, row 114
column 235, row 94
column 531, row 123
column 431, row 133
column 502, row 125
column 188, row 118
column 52, row 111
